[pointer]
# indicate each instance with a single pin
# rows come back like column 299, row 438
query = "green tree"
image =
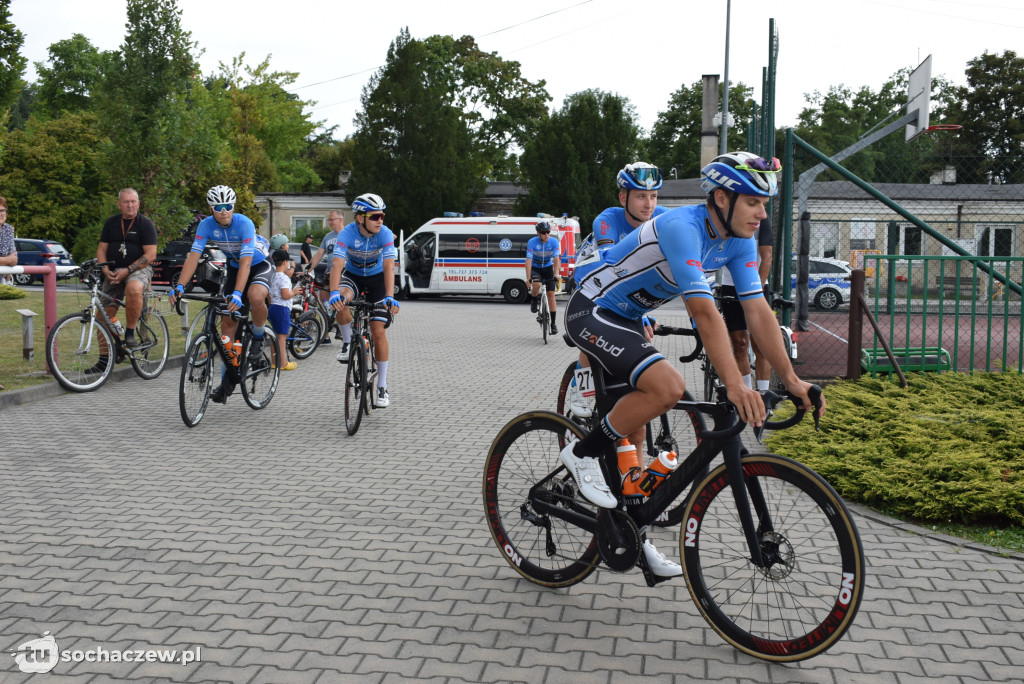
column 413, row 145
column 68, row 79
column 329, row 158
column 12, row 64
column 991, row 110
column 52, row 177
column 571, row 162
column 162, row 140
column 676, row 135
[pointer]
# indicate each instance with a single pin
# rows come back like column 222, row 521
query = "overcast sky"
column 643, row 54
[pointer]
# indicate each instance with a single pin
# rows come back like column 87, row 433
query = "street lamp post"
column 724, row 140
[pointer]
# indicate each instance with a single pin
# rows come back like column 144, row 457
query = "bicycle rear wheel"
column 306, row 335
column 150, row 357
column 564, row 405
column 355, row 386
column 80, row 352
column 196, row 380
column 260, row 372
column 545, row 550
column 807, row 596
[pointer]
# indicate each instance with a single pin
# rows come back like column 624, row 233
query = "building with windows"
column 298, row 213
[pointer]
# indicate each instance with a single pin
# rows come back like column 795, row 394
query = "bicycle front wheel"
column 806, row 596
column 79, row 352
column 524, row 456
column 355, row 386
column 544, row 316
column 306, row 335
column 150, row 357
column 260, row 373
column 196, row 380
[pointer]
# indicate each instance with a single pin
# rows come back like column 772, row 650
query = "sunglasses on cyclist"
column 761, row 165
column 543, row 232
column 647, row 174
column 375, row 217
column 223, row 207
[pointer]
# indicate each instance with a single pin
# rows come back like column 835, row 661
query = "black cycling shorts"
column 545, row 274
column 732, row 310
column 617, row 343
column 372, row 287
column 262, row 273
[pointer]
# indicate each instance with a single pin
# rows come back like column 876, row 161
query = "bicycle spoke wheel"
column 306, row 335
column 680, row 431
column 370, row 393
column 541, row 548
column 196, row 380
column 355, row 387
column 260, row 373
column 150, row 357
column 79, row 352
column 806, row 597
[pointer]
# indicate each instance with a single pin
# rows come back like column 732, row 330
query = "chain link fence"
column 943, row 263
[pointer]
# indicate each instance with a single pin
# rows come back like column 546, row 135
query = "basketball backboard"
column 919, row 95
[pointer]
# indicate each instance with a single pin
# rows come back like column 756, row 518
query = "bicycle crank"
column 618, row 540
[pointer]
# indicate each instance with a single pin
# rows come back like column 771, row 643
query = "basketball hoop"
column 943, row 127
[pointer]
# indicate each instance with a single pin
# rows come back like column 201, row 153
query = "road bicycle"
column 361, row 371
column 78, row 348
column 256, row 374
column 770, row 554
column 310, row 302
column 711, row 380
column 678, row 431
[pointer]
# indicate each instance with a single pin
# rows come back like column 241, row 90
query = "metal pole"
column 724, row 141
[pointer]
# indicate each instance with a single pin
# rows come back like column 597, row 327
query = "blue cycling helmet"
column 639, row 176
column 368, row 202
column 743, row 173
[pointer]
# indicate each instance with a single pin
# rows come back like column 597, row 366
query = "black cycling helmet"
column 543, row 227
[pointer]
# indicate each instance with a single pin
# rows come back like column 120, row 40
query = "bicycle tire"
column 306, row 336
column 547, row 551
column 195, row 326
column 196, row 381
column 806, row 600
column 563, row 405
column 260, row 373
column 371, row 374
column 355, row 387
column 543, row 316
column 150, row 358
column 69, row 362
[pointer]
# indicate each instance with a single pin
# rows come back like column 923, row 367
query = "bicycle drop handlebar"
column 689, row 332
column 213, row 300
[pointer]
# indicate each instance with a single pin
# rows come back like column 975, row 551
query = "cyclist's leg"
column 534, row 290
column 551, row 284
column 257, row 292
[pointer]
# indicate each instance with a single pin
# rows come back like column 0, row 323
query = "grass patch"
column 946, row 452
column 16, row 372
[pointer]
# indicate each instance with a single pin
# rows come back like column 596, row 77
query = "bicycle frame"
column 98, row 301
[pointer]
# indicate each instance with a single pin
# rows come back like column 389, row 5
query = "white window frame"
column 294, row 228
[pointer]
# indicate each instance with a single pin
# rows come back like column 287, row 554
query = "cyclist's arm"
column 101, row 256
column 317, row 257
column 557, row 263
column 389, row 278
column 187, row 270
column 244, row 266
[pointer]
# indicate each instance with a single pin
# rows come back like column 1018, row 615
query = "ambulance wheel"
column 514, row 291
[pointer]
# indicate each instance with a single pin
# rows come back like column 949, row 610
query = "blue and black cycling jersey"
column 364, row 255
column 237, row 240
column 543, row 253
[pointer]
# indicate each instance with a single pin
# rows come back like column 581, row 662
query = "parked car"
column 827, row 282
column 37, row 253
column 295, row 254
column 167, row 266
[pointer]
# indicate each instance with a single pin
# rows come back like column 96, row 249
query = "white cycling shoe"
column 589, row 478
column 659, row 564
column 577, row 404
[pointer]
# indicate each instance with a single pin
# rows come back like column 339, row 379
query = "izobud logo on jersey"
column 601, row 343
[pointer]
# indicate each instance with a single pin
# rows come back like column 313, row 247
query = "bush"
column 11, row 292
column 947, row 448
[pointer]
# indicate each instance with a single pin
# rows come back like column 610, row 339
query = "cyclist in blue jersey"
column 249, row 271
column 666, row 258
column 543, row 262
column 364, row 263
column 638, row 184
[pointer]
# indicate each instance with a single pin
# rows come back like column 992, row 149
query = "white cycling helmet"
column 278, row 241
column 221, row 194
column 368, row 202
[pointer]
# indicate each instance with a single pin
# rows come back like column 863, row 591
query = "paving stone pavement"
column 278, row 549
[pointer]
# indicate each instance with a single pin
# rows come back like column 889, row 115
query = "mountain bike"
column 83, row 347
column 771, row 556
column 361, row 371
column 304, row 334
column 678, row 431
column 257, row 375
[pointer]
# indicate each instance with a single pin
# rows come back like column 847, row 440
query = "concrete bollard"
column 27, row 343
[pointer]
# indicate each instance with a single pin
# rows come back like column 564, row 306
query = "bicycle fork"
column 744, row 492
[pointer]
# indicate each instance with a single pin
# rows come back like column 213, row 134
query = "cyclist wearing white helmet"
column 666, row 258
column 364, row 263
column 638, row 184
column 249, row 271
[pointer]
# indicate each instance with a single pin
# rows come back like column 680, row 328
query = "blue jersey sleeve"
column 388, row 240
column 202, row 235
column 743, row 267
column 681, row 245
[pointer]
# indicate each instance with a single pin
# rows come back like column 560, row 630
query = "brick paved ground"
column 289, row 552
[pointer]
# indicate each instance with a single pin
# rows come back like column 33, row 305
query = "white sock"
column 382, row 374
column 747, row 381
column 762, row 385
column 346, row 333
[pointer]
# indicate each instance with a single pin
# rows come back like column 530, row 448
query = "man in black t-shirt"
column 307, row 251
column 128, row 240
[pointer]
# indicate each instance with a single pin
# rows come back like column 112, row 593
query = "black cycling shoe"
column 554, row 329
column 533, row 305
column 222, row 392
